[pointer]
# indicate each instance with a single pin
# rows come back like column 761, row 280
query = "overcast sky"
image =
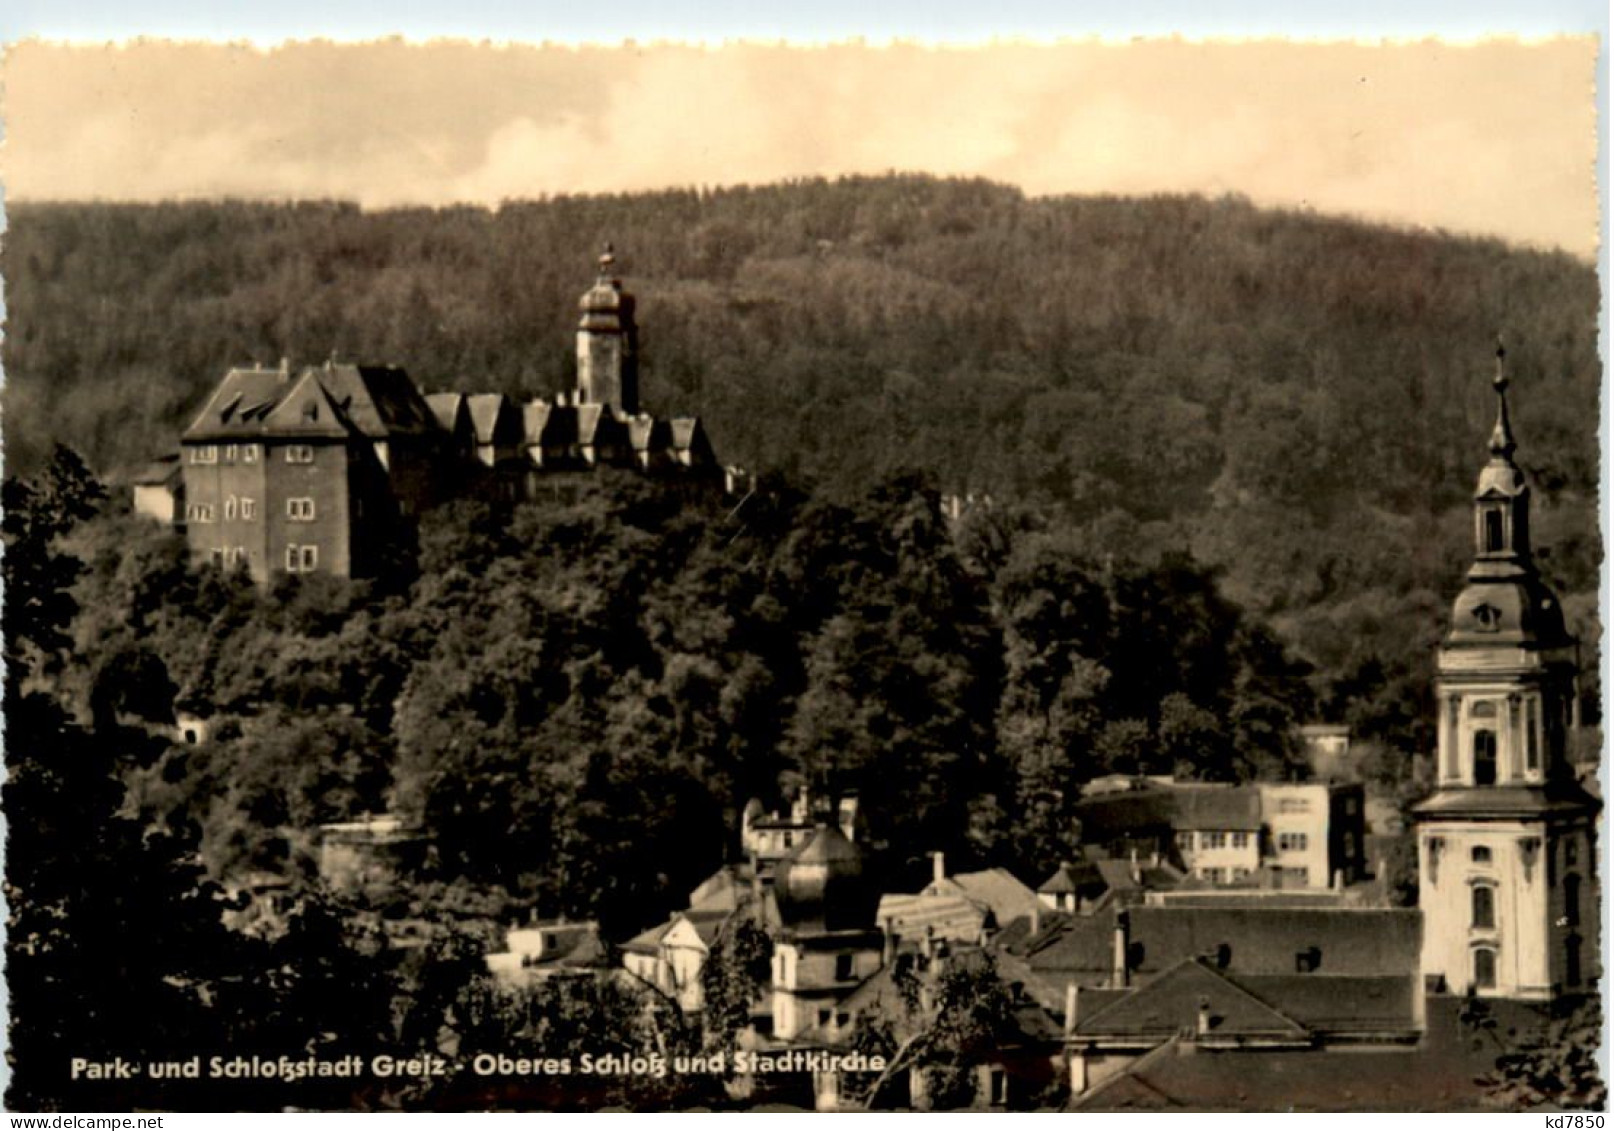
column 1497, row 138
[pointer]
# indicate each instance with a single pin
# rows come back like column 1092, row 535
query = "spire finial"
column 607, row 258
column 1502, row 435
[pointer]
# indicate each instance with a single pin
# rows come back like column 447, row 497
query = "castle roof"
column 332, row 401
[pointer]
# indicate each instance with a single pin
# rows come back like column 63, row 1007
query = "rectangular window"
column 294, row 559
column 1532, row 752
column 1185, row 841
column 229, row 508
column 1293, row 842
column 249, row 509
column 1213, row 840
column 229, row 453
column 249, row 453
column 199, row 512
column 310, row 558
column 1241, row 874
column 240, row 555
column 843, row 967
column 205, row 453
column 1241, row 840
column 1294, row 805
column 299, row 453
column 1571, row 852
column 300, row 510
column 218, row 557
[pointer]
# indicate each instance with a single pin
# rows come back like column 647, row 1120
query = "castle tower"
column 608, row 343
column 1506, row 847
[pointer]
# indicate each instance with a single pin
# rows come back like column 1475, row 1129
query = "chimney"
column 1036, row 918
column 285, row 367
column 1137, row 872
column 890, row 948
column 928, row 948
column 1203, row 1024
column 1072, row 999
column 1120, row 975
column 938, row 867
column 1339, row 879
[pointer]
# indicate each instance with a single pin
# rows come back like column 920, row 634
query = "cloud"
column 1496, row 138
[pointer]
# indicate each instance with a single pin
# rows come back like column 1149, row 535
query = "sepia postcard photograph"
column 766, row 575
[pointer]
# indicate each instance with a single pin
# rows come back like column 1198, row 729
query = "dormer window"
column 311, row 411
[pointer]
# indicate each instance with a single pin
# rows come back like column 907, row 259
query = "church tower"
column 608, row 344
column 1506, row 848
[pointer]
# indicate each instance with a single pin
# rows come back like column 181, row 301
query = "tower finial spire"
column 1502, row 443
column 607, row 259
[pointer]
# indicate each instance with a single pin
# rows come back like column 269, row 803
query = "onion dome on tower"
column 1504, row 601
column 608, row 343
column 821, row 887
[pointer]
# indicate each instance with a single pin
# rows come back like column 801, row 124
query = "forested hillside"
column 1300, row 401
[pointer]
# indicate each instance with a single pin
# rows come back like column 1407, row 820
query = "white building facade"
column 1506, row 843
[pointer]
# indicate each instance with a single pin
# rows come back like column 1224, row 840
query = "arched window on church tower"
column 1494, row 541
column 1484, row 968
column 1484, row 900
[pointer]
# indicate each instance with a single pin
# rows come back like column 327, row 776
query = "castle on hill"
column 320, row 470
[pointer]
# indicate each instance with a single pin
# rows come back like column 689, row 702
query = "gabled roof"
column 380, row 401
column 308, row 412
column 1173, row 1002
column 649, row 941
column 375, row 402
column 448, row 409
column 1071, row 877
column 239, row 404
column 1000, row 890
column 939, row 916
column 488, row 412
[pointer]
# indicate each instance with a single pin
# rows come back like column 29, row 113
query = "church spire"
column 1502, row 442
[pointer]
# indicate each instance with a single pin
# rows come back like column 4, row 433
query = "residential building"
column 672, row 955
column 1316, row 833
column 966, row 908
column 1506, row 845
column 1218, row 831
column 549, row 948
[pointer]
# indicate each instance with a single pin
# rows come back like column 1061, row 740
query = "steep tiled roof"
column 1172, row 1003
column 308, row 412
column 1266, row 940
column 380, row 401
column 941, row 916
column 1340, row 1004
column 1000, row 890
column 446, row 409
column 1132, row 813
column 1235, row 809
column 486, row 410
column 239, row 404
column 1438, row 1074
